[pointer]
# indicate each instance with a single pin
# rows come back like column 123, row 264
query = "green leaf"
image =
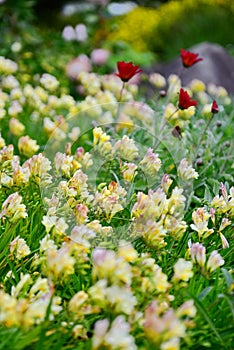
column 202, row 310
column 204, row 293
column 228, row 277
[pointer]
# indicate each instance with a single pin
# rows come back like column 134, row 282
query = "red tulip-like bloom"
column 127, row 70
column 185, row 100
column 214, row 107
column 189, row 58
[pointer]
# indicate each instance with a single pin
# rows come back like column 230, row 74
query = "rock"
column 217, row 67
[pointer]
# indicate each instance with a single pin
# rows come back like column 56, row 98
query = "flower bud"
column 214, row 107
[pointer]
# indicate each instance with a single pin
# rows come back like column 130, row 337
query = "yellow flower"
column 27, row 146
column 197, row 86
column 182, row 270
column 127, row 251
column 16, row 127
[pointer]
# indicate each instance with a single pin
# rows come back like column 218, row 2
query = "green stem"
column 201, row 138
column 119, row 101
column 163, row 127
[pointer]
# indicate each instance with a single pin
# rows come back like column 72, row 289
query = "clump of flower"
column 163, row 325
column 26, row 307
column 7, row 66
column 66, row 165
column 110, row 200
column 155, row 215
column 197, row 86
column 157, row 80
column 207, row 266
column 148, row 277
column 109, row 266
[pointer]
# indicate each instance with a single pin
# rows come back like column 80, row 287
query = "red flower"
column 189, row 58
column 185, row 100
column 127, row 70
column 215, row 107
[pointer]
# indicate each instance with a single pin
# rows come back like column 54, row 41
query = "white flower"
column 81, row 32
column 186, row 171
column 49, row 82
column 69, row 33
column 12, row 208
column 183, row 270
column 116, row 338
column 215, row 260
column 19, row 248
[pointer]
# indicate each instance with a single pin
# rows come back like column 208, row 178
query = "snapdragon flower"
column 13, row 209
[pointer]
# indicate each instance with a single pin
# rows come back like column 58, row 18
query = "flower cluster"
column 103, row 236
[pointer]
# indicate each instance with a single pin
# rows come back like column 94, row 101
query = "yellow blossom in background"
column 27, row 146
column 16, row 127
column 157, row 80
column 49, row 82
column 7, row 66
column 197, row 86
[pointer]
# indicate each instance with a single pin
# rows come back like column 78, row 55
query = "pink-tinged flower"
column 214, row 107
column 198, row 254
column 189, row 58
column 215, row 261
column 77, row 65
column 99, row 56
column 127, row 70
column 185, row 100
